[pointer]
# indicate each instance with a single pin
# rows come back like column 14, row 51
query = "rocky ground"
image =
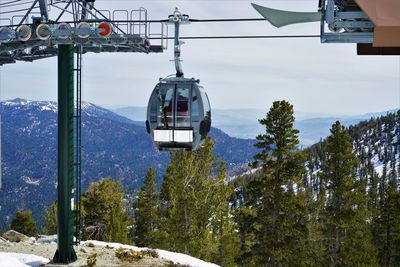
column 105, row 254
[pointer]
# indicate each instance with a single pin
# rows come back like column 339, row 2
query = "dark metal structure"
column 78, row 146
column 65, row 253
column 36, row 29
column 341, row 21
column 28, row 35
column 374, row 25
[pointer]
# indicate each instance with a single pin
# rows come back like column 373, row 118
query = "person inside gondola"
column 182, row 108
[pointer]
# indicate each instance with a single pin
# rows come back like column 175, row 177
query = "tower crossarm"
column 31, row 30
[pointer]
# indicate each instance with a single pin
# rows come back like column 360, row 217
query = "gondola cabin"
column 178, row 114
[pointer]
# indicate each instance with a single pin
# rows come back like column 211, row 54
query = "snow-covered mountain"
column 376, row 142
column 112, row 146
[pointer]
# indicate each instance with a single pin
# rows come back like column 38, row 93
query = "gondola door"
column 165, row 113
column 166, row 107
column 173, row 115
column 183, row 131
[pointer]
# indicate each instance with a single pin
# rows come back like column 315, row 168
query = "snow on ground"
column 46, row 239
column 171, row 256
column 379, row 169
column 45, row 246
column 183, row 259
column 230, row 179
column 21, row 260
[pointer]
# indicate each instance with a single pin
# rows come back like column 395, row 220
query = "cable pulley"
column 24, row 33
column 177, row 18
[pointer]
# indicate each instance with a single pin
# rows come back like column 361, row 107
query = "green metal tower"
column 65, row 252
column 52, row 34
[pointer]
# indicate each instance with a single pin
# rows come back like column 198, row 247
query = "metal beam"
column 347, row 37
column 369, row 50
column 28, row 12
column 65, row 252
column 1, row 161
column 43, row 10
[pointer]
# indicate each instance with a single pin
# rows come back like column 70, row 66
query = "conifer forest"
column 327, row 205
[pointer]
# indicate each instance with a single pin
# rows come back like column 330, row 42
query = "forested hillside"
column 376, row 143
column 113, row 146
column 336, row 203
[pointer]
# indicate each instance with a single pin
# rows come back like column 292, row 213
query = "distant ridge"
column 113, row 146
column 243, row 123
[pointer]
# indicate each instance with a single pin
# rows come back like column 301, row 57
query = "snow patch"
column 177, row 258
column 30, row 181
column 21, row 260
column 46, row 239
column 183, row 259
column 16, row 102
column 379, row 169
column 51, row 106
column 230, row 179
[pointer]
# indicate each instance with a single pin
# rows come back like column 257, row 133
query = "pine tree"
column 316, row 225
column 177, row 199
column 245, row 218
column 105, row 216
column 50, row 219
column 146, row 213
column 24, row 224
column 194, row 203
column 373, row 208
column 387, row 227
column 275, row 210
column 223, row 227
column 346, row 224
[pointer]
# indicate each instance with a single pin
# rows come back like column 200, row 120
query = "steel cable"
column 16, row 4
column 10, row 2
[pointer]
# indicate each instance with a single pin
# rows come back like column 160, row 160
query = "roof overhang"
column 385, row 14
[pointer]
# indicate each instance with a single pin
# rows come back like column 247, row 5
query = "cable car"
column 178, row 114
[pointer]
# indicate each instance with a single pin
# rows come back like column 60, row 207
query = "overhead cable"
column 16, row 4
column 19, row 10
column 239, row 37
column 10, row 2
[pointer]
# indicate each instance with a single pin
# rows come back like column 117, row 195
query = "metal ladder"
column 78, row 145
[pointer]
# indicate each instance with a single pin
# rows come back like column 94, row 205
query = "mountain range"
column 113, row 146
column 243, row 123
column 118, row 146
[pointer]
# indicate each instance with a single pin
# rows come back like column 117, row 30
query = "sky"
column 248, row 73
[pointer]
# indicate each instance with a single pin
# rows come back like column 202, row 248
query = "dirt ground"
column 105, row 256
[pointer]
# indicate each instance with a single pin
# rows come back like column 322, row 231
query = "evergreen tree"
column 50, row 219
column 194, row 203
column 223, row 227
column 105, row 216
column 146, row 212
column 275, row 211
column 373, row 208
column 346, row 225
column 387, row 227
column 24, row 224
column 316, row 225
column 177, row 199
